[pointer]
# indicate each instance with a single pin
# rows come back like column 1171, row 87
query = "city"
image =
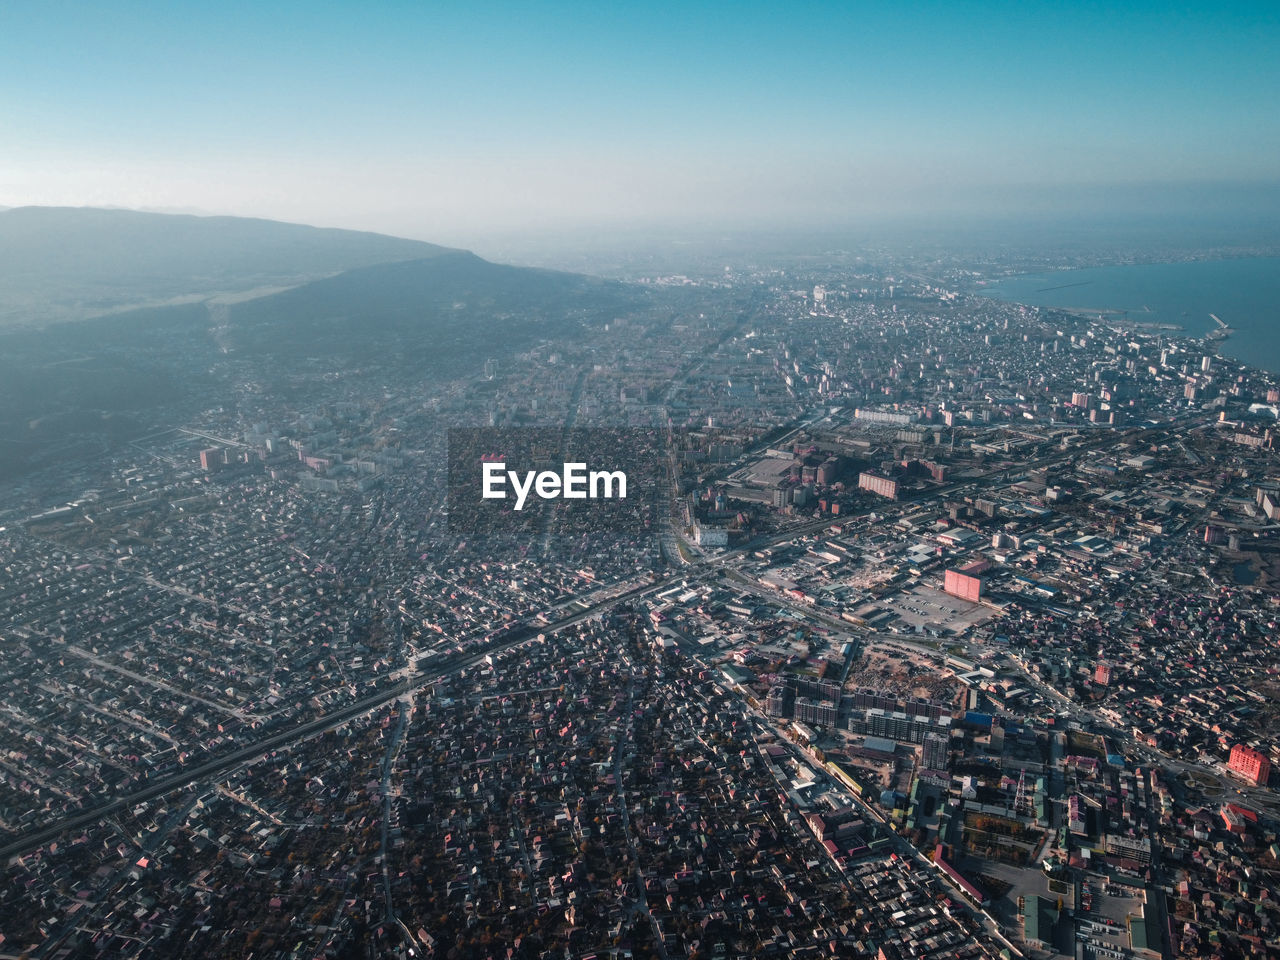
column 664, row 481
column 948, row 633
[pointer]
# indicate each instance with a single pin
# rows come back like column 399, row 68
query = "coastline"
column 1231, row 305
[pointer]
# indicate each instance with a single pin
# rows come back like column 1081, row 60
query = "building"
column 1249, row 764
column 827, row 471
column 1037, row 923
column 779, row 702
column 211, row 458
column 886, row 417
column 1134, row 849
column 936, row 751
column 862, row 698
column 706, row 536
column 895, row 725
column 1075, row 815
column 1269, row 500
column 816, row 689
column 878, row 484
column 965, row 583
column 821, row 713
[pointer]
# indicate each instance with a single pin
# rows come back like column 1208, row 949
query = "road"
column 901, row 846
column 1259, row 799
column 191, row 774
column 229, row 709
column 388, row 769
column 146, row 849
column 640, row 905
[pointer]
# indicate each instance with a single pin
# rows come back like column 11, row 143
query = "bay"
column 1244, row 293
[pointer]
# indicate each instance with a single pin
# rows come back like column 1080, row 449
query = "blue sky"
column 445, row 120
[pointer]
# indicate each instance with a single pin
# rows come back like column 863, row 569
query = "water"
column 1244, row 293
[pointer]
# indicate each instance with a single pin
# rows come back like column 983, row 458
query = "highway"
column 903, row 847
column 36, row 838
column 1260, row 799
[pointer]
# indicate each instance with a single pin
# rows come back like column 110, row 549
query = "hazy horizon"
column 450, row 126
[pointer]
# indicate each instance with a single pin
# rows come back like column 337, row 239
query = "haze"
column 458, row 125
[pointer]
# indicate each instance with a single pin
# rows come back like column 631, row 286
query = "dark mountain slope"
column 455, row 305
column 60, row 263
column 74, row 388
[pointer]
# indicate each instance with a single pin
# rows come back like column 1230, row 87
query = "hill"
column 450, row 306
column 60, row 263
column 76, row 387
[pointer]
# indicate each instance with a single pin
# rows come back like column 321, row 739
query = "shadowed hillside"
column 60, row 263
column 73, row 388
column 450, row 306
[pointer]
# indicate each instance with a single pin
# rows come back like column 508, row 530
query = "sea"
column 1244, row 293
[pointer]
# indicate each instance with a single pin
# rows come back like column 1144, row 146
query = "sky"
column 448, row 121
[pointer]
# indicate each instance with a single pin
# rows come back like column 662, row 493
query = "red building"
column 1250, row 765
column 965, row 583
column 1102, row 674
column 878, row 484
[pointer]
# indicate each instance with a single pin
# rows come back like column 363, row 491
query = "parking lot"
column 928, row 610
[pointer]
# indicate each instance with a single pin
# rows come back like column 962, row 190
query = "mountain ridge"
column 61, row 263
column 445, row 306
column 96, row 378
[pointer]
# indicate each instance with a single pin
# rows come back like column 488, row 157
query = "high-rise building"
column 1249, row 764
column 827, row 471
column 822, row 713
column 1076, row 815
column 1134, row 849
column 936, row 751
column 778, row 703
column 895, row 725
column 1269, row 501
column 965, row 583
column 819, row 689
column 878, row 484
column 863, row 698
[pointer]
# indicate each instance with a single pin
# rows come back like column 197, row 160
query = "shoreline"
column 1192, row 301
